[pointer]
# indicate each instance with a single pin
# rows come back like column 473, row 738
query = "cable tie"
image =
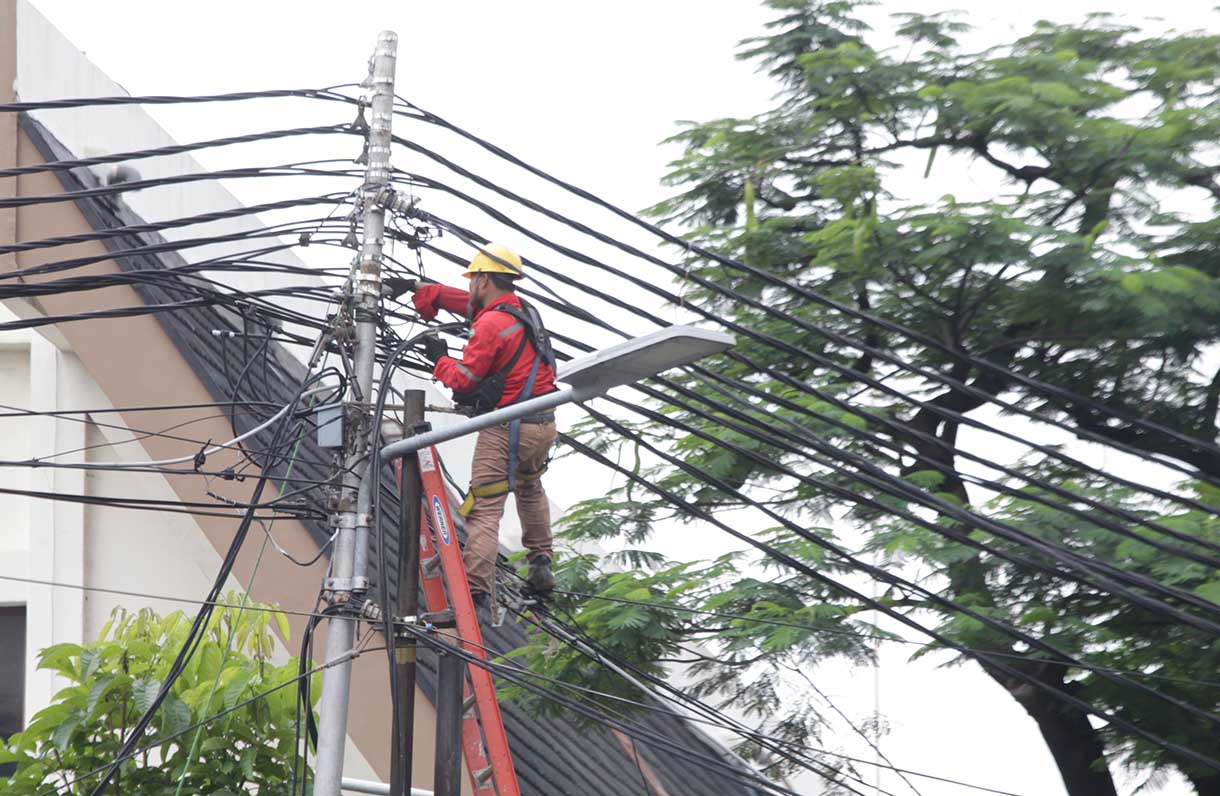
column 359, row 122
column 202, row 456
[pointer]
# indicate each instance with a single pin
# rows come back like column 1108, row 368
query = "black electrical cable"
column 195, row 633
column 151, row 248
column 868, row 473
column 913, row 493
column 1142, row 454
column 787, row 751
column 716, row 717
column 882, row 575
column 727, row 770
column 305, row 698
column 806, row 763
column 147, row 504
column 936, row 528
column 811, row 295
column 328, row 93
column 847, row 371
column 1089, row 570
column 285, row 170
column 592, row 651
column 148, row 596
column 1190, row 597
column 184, row 221
column 1050, row 451
column 1083, row 665
column 788, row 347
column 934, row 464
column 173, row 149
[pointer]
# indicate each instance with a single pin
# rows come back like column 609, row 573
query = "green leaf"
column 90, row 659
column 1133, row 284
column 176, row 716
column 63, row 733
column 1057, row 93
column 144, row 692
column 213, row 744
column 248, row 757
column 99, row 689
column 235, row 689
column 1209, row 591
column 61, row 658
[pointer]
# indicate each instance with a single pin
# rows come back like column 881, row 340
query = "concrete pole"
column 356, row 492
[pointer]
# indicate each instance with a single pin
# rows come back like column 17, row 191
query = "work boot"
column 446, row 617
column 541, row 579
column 482, row 608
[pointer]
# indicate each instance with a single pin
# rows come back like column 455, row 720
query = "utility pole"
column 410, row 494
column 349, row 558
column 450, row 677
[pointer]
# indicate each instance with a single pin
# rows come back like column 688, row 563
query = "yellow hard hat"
column 496, row 258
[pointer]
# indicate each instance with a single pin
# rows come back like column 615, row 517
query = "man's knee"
column 529, row 487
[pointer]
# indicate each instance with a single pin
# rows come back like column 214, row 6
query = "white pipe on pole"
column 376, row 788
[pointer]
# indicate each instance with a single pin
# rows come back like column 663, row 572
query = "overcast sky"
column 585, row 91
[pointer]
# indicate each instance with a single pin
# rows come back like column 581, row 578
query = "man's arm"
column 431, row 298
column 477, row 358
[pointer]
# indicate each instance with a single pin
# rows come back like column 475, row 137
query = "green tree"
column 112, row 681
column 1089, row 264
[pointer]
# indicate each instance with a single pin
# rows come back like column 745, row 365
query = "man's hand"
column 395, row 286
column 435, row 348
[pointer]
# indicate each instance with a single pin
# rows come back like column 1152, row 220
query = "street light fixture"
column 588, row 377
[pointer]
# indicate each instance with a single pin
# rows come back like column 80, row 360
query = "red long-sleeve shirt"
column 494, row 339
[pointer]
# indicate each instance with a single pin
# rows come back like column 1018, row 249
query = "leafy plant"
column 111, row 682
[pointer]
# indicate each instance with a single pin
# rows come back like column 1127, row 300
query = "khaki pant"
column 483, row 523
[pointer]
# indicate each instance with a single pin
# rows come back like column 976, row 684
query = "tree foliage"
column 1081, row 255
column 112, row 681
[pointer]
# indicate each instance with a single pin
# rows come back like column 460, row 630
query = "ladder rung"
column 483, row 776
column 431, row 566
column 468, row 705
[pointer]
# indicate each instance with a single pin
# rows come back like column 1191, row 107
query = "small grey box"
column 330, row 425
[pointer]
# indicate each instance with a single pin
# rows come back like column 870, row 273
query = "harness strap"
column 514, row 427
column 495, row 489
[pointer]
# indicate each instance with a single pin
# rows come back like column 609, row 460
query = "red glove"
column 425, row 300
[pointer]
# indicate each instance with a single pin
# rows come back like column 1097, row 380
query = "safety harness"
column 487, row 393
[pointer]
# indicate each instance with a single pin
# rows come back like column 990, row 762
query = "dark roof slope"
column 553, row 757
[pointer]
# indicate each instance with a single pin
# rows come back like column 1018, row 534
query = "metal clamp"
column 337, row 585
column 345, row 520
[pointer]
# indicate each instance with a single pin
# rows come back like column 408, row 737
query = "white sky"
column 586, row 92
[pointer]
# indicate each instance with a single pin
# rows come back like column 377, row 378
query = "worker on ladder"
column 508, row 358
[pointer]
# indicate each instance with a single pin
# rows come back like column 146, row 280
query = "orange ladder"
column 484, row 742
